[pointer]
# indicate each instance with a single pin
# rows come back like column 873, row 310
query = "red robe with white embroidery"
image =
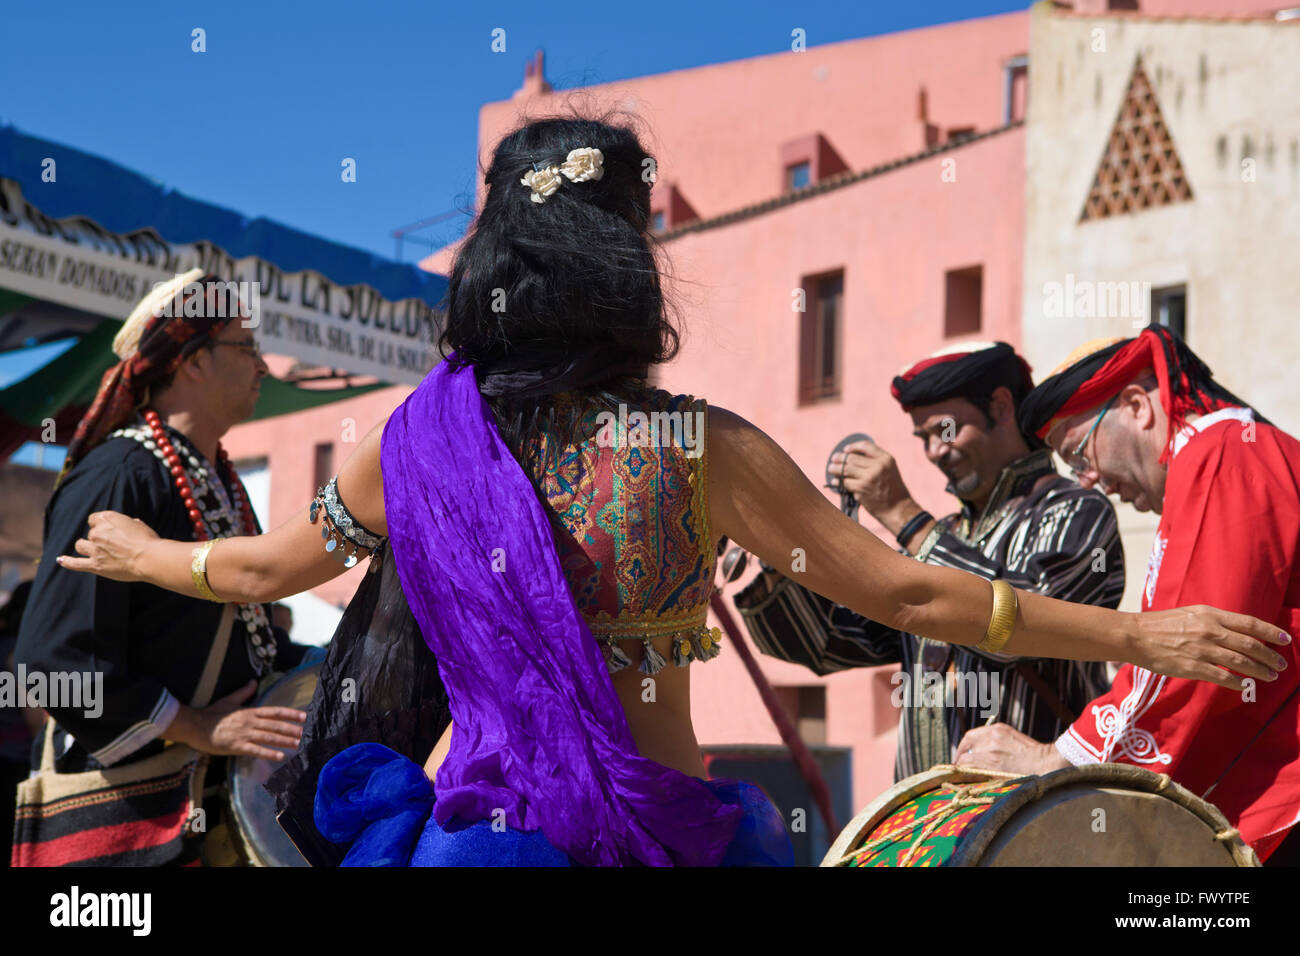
column 1229, row 537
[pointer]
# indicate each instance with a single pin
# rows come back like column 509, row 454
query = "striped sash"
column 137, row 814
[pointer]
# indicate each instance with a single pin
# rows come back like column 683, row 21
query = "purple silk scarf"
column 540, row 739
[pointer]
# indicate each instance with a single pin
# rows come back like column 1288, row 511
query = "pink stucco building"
column 878, row 182
column 915, row 163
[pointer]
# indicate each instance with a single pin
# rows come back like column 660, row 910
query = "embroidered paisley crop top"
column 629, row 508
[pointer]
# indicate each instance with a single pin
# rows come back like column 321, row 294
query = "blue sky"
column 261, row 121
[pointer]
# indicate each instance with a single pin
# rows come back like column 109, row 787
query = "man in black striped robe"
column 1019, row 520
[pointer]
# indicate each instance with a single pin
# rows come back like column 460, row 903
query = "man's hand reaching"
column 1002, row 747
column 225, row 728
column 871, row 475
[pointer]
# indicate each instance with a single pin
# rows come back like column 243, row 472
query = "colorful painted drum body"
column 1100, row 815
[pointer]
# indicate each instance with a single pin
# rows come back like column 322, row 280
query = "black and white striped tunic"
column 1041, row 532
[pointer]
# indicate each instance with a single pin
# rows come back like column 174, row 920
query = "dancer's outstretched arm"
column 270, row 566
column 760, row 499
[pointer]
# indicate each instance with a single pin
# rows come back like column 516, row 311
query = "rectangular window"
column 1169, row 308
column 1015, row 88
column 963, row 293
column 806, row 708
column 798, row 176
column 255, row 473
column 819, row 338
column 811, row 719
column 324, row 466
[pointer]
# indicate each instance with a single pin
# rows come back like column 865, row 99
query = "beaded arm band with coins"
column 339, row 529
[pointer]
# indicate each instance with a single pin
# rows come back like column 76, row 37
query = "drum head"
column 1104, row 815
column 251, row 806
column 1104, row 826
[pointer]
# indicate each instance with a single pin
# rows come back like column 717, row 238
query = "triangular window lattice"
column 1140, row 168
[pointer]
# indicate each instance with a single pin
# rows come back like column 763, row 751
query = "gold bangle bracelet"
column 1002, row 622
column 199, row 570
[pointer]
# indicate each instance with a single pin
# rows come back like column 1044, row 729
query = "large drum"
column 258, row 836
column 1099, row 815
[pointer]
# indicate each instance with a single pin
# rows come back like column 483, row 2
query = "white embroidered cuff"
column 141, row 733
column 1070, row 749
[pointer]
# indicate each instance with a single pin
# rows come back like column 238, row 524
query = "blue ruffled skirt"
column 382, row 804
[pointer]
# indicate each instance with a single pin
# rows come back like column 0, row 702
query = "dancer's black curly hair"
column 565, row 294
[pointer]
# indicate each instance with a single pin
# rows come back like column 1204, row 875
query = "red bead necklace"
column 241, row 496
column 182, row 480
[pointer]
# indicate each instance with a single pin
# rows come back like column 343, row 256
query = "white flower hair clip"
column 579, row 166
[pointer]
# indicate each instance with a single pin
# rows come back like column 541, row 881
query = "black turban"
column 971, row 369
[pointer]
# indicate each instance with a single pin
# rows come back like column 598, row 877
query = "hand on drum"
column 227, row 729
column 1002, row 747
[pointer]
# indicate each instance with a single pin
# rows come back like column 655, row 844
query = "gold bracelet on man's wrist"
column 199, row 570
column 1002, row 622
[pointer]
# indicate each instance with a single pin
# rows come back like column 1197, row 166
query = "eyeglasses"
column 247, row 345
column 1077, row 460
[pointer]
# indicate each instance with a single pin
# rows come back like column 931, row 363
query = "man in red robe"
column 1144, row 418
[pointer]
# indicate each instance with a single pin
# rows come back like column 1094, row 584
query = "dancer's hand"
column 112, row 546
column 1198, row 642
column 247, row 569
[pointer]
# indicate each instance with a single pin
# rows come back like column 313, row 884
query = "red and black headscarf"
column 1098, row 370
column 168, row 325
column 972, row 368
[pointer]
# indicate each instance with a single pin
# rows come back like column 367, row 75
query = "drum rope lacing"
column 965, row 796
column 1220, row 836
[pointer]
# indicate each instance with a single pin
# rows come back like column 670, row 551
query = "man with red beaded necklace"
column 150, row 447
